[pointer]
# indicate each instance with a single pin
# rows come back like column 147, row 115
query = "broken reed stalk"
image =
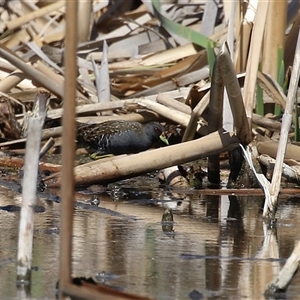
column 34, row 133
column 280, row 284
column 270, row 206
column 28, row 201
column 215, row 119
column 195, row 115
column 241, row 126
column 120, row 167
column 174, row 178
column 224, row 74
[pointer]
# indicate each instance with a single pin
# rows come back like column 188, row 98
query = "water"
column 219, row 248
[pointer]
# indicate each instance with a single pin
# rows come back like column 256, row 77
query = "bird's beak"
column 164, row 139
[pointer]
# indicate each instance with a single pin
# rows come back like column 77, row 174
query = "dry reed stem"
column 254, row 56
column 170, row 102
column 270, row 206
column 68, row 149
column 120, row 167
column 243, row 37
column 86, row 19
column 11, row 81
column 167, row 112
column 282, row 281
column 15, row 23
column 196, row 114
column 28, row 201
column 274, row 37
column 31, row 72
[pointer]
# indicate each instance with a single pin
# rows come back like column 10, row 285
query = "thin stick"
column 195, row 115
column 48, row 145
column 68, row 149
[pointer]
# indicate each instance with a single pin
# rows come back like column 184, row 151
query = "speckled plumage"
column 119, row 137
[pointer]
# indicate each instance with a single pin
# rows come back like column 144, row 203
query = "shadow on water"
column 216, row 247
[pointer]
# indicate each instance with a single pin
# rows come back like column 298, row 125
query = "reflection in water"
column 220, row 250
column 167, row 221
column 232, row 239
column 23, row 292
column 212, row 207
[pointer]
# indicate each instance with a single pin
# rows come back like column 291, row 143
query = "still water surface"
column 219, row 248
